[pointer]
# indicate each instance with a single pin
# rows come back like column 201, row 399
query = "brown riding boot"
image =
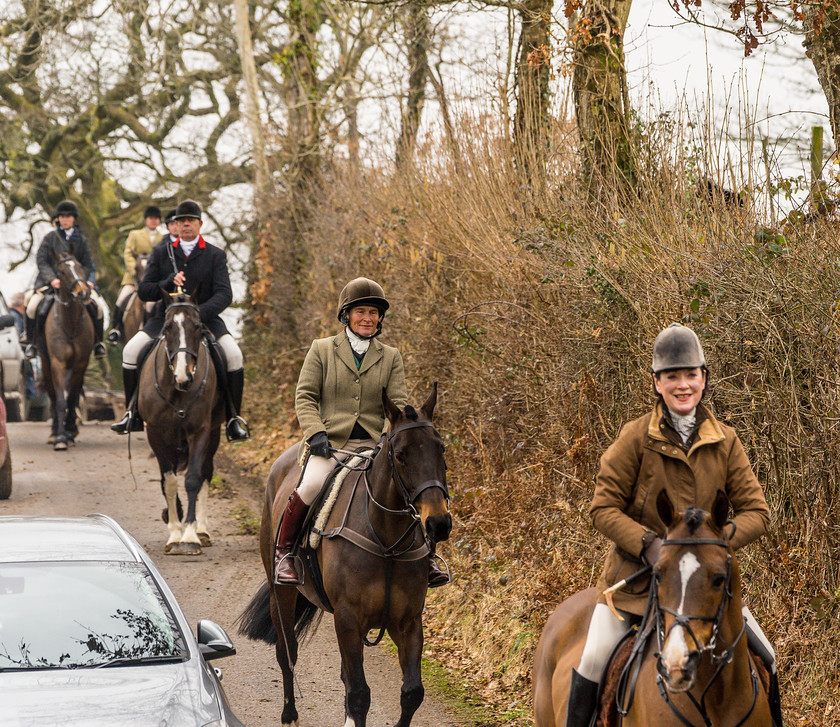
column 284, row 563
column 437, row 577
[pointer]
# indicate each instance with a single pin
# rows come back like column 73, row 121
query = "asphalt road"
column 96, row 476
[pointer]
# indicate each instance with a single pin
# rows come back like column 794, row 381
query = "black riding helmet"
column 362, row 291
column 66, row 207
column 151, row 211
column 170, row 217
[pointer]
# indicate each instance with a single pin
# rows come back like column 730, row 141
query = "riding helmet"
column 361, row 291
column 66, row 207
column 151, row 211
column 677, row 347
column 170, row 217
column 187, row 208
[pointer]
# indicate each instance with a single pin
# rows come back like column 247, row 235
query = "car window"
column 4, row 309
column 71, row 615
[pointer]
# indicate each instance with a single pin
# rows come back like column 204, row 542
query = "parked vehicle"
column 13, row 380
column 5, row 459
column 92, row 635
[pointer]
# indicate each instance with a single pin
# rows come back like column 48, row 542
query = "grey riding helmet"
column 677, row 347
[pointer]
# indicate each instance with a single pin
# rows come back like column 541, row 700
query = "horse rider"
column 172, row 227
column 139, row 242
column 681, row 447
column 338, row 401
column 66, row 237
column 192, row 263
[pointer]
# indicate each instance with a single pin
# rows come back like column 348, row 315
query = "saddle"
column 618, row 684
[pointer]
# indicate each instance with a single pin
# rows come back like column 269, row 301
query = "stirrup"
column 242, row 423
column 99, row 350
column 448, row 573
column 114, row 337
column 30, row 351
column 298, row 580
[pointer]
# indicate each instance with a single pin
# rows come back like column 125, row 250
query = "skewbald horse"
column 374, row 567
column 696, row 668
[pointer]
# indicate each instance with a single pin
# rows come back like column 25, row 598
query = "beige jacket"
column 139, row 242
column 648, row 457
column 332, row 395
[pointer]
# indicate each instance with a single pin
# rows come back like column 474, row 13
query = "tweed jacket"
column 56, row 242
column 206, row 275
column 139, row 242
column 332, row 395
column 649, row 456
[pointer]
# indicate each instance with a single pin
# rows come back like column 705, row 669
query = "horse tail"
column 255, row 621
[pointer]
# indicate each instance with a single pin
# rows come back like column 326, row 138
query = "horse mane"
column 693, row 518
column 410, row 413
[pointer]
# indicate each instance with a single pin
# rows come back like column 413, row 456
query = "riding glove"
column 319, row 445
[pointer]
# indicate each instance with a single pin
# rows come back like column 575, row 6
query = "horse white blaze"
column 170, row 485
column 181, row 372
column 675, row 653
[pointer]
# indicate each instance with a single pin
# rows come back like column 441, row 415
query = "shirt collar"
column 201, row 243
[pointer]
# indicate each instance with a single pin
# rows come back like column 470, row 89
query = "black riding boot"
column 131, row 420
column 583, row 699
column 437, row 577
column 98, row 331
column 30, row 331
column 237, row 428
column 773, row 697
column 115, row 335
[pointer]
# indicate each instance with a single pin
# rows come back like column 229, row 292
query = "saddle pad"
column 320, row 521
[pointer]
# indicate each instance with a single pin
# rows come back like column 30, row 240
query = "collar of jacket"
column 709, row 431
column 341, row 345
column 201, row 243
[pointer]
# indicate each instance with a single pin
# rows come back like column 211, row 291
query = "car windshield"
column 75, row 615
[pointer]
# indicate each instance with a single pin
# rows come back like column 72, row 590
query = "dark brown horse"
column 180, row 403
column 695, row 669
column 374, row 567
column 66, row 347
column 136, row 311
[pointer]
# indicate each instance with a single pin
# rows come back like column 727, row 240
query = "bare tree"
column 417, row 38
column 821, row 20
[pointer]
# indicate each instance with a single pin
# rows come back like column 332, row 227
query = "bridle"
column 78, row 281
column 719, row 660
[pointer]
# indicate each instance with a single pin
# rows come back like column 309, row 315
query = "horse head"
column 693, row 582
column 72, row 276
column 140, row 268
column 419, row 468
column 182, row 331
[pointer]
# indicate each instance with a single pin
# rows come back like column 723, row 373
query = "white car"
column 13, row 382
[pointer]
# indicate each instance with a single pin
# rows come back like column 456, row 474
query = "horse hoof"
column 51, row 439
column 204, row 538
column 186, row 549
column 168, row 548
column 60, row 445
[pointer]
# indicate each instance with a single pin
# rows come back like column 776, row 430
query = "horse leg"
column 190, row 543
column 59, row 379
column 203, row 495
column 356, row 689
column 283, row 602
column 408, row 638
column 75, row 379
column 169, row 485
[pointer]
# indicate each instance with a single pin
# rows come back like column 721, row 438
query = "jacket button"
column 357, row 381
column 355, row 413
column 356, row 397
column 664, row 448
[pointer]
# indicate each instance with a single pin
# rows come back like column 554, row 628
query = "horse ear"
column 391, row 409
column 196, row 292
column 665, row 508
column 165, row 297
column 428, row 407
column 720, row 509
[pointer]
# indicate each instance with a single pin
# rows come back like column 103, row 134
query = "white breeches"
column 317, row 469
column 604, row 632
column 37, row 296
column 124, row 294
column 133, row 349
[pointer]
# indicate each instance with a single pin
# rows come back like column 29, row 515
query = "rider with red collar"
column 188, row 261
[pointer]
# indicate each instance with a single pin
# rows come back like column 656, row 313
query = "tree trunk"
column 822, row 41
column 600, row 94
column 417, row 33
column 531, row 126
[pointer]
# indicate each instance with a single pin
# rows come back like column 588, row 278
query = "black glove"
column 319, row 445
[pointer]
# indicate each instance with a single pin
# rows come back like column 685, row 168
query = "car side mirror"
column 213, row 642
column 7, row 321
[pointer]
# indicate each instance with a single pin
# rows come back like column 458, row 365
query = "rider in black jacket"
column 200, row 269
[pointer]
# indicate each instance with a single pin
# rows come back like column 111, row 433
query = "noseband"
column 718, row 660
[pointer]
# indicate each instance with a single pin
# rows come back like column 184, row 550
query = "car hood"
column 164, row 695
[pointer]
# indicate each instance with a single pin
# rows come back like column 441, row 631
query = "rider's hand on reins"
column 56, row 283
column 319, row 445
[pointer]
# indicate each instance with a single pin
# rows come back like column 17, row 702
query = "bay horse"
column 179, row 400
column 374, row 564
column 696, row 668
column 136, row 310
column 65, row 348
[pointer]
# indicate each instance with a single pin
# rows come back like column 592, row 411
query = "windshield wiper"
column 137, row 660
